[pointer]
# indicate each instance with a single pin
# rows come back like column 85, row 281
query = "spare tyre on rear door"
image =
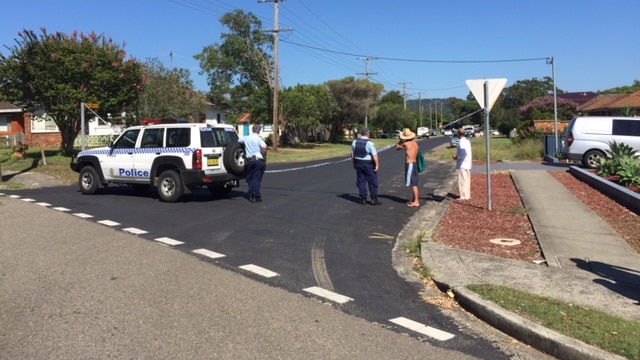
column 233, row 158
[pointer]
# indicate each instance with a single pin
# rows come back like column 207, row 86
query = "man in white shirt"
column 255, row 150
column 463, row 165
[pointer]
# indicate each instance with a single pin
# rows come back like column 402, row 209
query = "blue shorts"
column 411, row 174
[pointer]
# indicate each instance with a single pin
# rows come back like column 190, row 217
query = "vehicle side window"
column 626, row 127
column 152, row 138
column 206, row 138
column 178, row 137
column 127, row 140
column 224, row 136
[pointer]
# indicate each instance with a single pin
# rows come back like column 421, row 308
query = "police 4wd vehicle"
column 175, row 158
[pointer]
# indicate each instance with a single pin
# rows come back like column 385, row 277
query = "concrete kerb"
column 546, row 340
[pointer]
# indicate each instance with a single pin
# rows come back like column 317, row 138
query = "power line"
column 420, row 60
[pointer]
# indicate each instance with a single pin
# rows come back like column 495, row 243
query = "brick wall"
column 547, row 126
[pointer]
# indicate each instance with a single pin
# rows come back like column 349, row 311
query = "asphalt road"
column 310, row 236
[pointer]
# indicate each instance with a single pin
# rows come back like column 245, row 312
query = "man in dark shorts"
column 407, row 142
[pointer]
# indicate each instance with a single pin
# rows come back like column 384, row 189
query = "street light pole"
column 555, row 104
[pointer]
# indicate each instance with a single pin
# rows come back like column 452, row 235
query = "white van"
column 587, row 138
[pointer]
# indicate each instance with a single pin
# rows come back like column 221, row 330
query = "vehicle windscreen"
column 217, row 137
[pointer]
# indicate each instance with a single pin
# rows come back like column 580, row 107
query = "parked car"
column 495, row 132
column 455, row 140
column 423, row 132
column 175, row 158
column 587, row 138
column 396, row 134
column 448, row 132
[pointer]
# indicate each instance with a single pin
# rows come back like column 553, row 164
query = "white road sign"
column 495, row 87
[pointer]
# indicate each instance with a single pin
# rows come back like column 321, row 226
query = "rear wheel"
column 88, row 180
column 170, row 186
column 591, row 159
column 233, row 159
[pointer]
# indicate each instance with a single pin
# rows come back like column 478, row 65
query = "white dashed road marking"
column 108, row 223
column 422, row 329
column 43, row 204
column 83, row 215
column 259, row 270
column 135, row 231
column 14, row 196
column 208, row 253
column 329, row 295
column 28, row 200
column 169, row 241
column 61, row 209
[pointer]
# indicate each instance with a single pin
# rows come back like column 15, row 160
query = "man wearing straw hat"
column 411, row 164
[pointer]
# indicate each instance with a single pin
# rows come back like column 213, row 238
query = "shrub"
column 623, row 162
column 629, row 171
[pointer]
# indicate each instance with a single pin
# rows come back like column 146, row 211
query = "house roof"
column 7, row 107
column 632, row 100
column 244, row 118
column 578, row 98
column 602, row 101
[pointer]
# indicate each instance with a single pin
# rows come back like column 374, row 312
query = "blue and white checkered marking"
column 108, row 151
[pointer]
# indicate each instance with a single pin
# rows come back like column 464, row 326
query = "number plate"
column 213, row 162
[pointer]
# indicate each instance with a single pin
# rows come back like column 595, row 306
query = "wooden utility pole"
column 404, row 93
column 276, row 81
column 366, row 76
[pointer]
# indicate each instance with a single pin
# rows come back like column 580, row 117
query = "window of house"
column 41, row 122
column 5, row 124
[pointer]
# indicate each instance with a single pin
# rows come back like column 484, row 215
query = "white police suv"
column 175, row 158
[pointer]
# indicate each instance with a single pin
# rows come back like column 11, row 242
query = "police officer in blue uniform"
column 255, row 150
column 365, row 161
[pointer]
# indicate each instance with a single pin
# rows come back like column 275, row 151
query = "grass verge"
column 610, row 333
column 501, row 149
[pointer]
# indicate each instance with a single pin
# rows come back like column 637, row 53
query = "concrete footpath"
column 587, row 264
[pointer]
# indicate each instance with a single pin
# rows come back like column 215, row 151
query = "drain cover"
column 505, row 241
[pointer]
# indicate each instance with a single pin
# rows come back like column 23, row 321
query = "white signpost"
column 486, row 92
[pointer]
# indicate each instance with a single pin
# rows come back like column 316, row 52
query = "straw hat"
column 407, row 134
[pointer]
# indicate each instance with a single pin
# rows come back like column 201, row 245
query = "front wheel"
column 88, row 180
column 591, row 159
column 170, row 186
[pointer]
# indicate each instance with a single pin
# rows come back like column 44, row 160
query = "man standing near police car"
column 255, row 149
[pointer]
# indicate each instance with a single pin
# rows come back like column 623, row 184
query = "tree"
column 391, row 116
column 542, row 109
column 624, row 89
column 392, row 97
column 57, row 72
column 168, row 94
column 355, row 99
column 523, row 91
column 241, row 64
column 305, row 108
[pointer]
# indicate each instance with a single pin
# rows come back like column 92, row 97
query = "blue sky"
column 427, row 49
